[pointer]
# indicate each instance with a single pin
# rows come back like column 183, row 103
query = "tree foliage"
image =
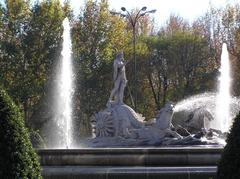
column 17, row 157
column 178, row 64
column 97, row 36
column 181, row 59
column 30, row 46
column 228, row 166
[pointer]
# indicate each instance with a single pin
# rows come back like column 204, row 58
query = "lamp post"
column 133, row 21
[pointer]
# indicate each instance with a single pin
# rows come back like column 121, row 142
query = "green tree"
column 16, row 16
column 177, row 62
column 228, row 166
column 30, row 46
column 17, row 157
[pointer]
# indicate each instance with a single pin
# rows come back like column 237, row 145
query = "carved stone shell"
column 103, row 125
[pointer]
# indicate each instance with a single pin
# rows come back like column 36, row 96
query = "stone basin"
column 165, row 162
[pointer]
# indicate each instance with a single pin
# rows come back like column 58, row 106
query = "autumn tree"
column 231, row 34
column 178, row 62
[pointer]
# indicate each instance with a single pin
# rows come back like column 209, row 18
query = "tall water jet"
column 65, row 89
column 223, row 98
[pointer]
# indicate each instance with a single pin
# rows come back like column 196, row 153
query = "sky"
column 188, row 9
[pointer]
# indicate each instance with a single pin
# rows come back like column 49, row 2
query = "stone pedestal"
column 116, row 163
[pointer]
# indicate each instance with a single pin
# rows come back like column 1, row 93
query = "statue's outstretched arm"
column 123, row 64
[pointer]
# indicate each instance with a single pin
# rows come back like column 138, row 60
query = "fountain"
column 223, row 99
column 124, row 145
column 222, row 106
column 63, row 103
column 119, row 125
column 119, row 120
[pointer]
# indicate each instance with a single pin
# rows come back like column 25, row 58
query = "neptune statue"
column 119, row 78
column 119, row 125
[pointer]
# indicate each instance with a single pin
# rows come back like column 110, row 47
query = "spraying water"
column 223, row 97
column 65, row 89
column 221, row 105
column 204, row 100
column 207, row 101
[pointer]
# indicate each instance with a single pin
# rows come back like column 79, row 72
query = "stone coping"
column 134, row 150
column 101, row 172
column 89, row 170
column 164, row 156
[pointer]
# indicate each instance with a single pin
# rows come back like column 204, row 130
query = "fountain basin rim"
column 134, row 150
column 164, row 156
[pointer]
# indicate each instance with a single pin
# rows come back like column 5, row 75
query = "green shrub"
column 18, row 159
column 229, row 165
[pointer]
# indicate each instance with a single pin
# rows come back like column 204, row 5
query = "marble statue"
column 199, row 119
column 119, row 125
column 119, row 78
column 164, row 116
column 117, row 119
column 160, row 128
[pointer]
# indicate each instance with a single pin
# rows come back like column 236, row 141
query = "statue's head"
column 119, row 55
column 164, row 116
column 169, row 106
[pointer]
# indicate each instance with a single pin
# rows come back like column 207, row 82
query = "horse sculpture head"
column 164, row 116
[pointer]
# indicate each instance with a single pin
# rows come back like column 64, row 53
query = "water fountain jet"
column 222, row 106
column 63, row 101
column 223, row 119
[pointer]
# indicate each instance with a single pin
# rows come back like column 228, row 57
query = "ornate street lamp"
column 133, row 21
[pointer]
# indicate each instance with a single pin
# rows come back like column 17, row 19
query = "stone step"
column 126, row 172
column 131, row 163
column 174, row 156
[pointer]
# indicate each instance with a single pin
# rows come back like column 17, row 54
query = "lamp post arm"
column 130, row 19
column 137, row 17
